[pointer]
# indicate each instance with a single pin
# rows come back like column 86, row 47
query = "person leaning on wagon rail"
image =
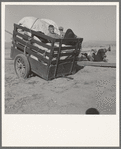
column 62, row 33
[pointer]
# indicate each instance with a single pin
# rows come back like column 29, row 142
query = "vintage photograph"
column 60, row 74
column 60, row 59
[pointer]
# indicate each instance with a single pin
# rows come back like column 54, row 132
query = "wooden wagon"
column 48, row 60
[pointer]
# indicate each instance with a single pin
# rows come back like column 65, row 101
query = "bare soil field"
column 90, row 87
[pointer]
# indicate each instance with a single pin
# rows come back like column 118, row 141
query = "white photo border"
column 60, row 130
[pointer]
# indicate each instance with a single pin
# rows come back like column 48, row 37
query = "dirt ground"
column 89, row 87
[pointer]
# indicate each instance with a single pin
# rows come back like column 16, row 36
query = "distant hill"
column 93, row 43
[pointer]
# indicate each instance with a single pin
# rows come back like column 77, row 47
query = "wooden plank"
column 30, row 45
column 32, row 51
column 69, row 39
column 20, row 47
column 74, row 57
column 58, row 59
column 62, row 61
column 48, row 54
column 43, row 36
column 96, row 64
column 65, row 48
column 38, row 68
column 66, row 54
column 36, row 48
column 25, row 37
column 61, row 54
column 35, row 53
column 41, row 44
column 20, row 40
column 33, row 40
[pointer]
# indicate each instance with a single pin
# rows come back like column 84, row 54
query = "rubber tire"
column 23, row 62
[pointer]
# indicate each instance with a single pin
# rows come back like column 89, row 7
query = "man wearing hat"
column 61, row 32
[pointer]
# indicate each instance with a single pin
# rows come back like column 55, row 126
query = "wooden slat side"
column 33, row 40
column 47, row 37
column 35, row 53
column 20, row 40
column 20, row 35
column 34, row 32
column 30, row 45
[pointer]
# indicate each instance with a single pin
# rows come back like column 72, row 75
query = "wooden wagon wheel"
column 21, row 66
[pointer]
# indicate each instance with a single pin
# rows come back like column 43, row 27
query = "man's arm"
column 54, row 35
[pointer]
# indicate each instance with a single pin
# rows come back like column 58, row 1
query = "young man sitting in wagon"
column 62, row 33
column 52, row 33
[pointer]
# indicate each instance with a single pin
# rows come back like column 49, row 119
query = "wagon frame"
column 49, row 65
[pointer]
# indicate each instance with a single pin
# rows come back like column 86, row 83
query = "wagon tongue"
column 96, row 64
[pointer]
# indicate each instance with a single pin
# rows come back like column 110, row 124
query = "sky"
column 91, row 22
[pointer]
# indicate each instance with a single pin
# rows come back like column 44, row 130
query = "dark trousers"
column 69, row 34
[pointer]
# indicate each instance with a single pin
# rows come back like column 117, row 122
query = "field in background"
column 89, row 87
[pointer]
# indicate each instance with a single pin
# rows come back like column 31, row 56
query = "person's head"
column 61, row 29
column 51, row 29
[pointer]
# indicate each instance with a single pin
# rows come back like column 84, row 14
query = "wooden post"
column 13, row 41
column 50, row 58
column 58, row 58
column 14, row 35
column 74, row 58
